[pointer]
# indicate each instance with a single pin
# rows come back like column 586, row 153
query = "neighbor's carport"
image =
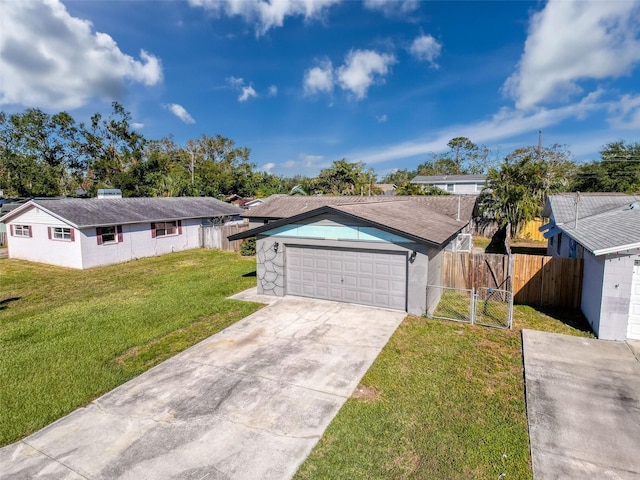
column 583, row 407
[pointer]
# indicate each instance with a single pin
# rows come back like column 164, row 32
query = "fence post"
column 473, row 305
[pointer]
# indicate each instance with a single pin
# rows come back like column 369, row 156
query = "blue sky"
column 305, row 82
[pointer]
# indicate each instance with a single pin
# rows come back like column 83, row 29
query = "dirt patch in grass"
column 366, row 393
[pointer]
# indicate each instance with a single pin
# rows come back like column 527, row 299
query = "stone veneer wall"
column 270, row 267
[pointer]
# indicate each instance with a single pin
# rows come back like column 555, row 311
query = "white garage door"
column 354, row 276
column 634, row 304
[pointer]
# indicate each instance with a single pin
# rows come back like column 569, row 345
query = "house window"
column 61, row 233
column 479, row 187
column 163, row 229
column 109, row 235
column 21, row 231
column 450, row 187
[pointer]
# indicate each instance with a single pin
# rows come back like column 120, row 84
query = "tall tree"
column 516, row 191
column 618, row 170
column 345, row 178
column 39, row 153
column 112, row 146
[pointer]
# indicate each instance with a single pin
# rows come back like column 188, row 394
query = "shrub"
column 248, row 247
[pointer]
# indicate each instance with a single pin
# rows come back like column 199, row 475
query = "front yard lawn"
column 443, row 400
column 68, row 336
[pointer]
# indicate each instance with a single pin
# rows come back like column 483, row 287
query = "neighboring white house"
column 85, row 233
column 457, row 184
column 603, row 230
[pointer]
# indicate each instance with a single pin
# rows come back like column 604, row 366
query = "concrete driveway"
column 583, row 407
column 247, row 403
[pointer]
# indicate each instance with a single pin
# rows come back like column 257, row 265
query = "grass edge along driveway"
column 442, row 400
column 68, row 336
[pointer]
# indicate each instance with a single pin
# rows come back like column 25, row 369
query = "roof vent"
column 634, row 206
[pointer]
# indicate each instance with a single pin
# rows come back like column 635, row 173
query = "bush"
column 248, row 247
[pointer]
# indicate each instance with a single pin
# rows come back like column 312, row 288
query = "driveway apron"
column 583, row 407
column 247, row 403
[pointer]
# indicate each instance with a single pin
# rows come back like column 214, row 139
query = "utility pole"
column 539, row 145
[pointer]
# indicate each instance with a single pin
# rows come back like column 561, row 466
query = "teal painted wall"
column 336, row 232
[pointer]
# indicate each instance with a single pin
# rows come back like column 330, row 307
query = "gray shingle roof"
column 605, row 224
column 93, row 212
column 413, row 217
column 607, row 232
column 563, row 205
column 288, row 206
column 449, row 179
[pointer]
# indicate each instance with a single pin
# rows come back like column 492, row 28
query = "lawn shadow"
column 571, row 317
column 7, row 301
column 250, row 274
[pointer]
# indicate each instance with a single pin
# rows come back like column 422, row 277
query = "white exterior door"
column 633, row 329
column 354, row 276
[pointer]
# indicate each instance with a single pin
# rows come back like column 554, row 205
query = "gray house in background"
column 380, row 251
column 456, row 184
column 603, row 229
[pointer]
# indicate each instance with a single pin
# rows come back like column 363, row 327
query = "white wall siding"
column 591, row 302
column 84, row 251
column 37, row 216
column 39, row 248
column 616, row 291
column 137, row 242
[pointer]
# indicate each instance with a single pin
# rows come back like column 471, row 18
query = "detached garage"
column 379, row 253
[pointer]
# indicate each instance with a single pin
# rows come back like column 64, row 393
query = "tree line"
column 53, row 155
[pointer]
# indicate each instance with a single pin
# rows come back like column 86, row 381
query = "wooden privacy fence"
column 215, row 237
column 465, row 270
column 530, row 230
column 547, row 281
column 535, row 280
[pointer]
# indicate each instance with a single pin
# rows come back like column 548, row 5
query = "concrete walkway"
column 247, row 403
column 583, row 407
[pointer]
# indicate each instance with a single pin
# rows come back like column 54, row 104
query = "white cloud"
column 363, row 68
column 426, row 49
column 505, row 124
column 49, row 59
column 247, row 93
column 272, row 91
column 266, row 14
column 180, row 112
column 319, row 79
column 381, row 118
column 289, row 164
column 392, row 8
column 312, row 160
column 236, row 82
column 625, row 114
column 267, row 167
column 571, row 40
column 137, row 125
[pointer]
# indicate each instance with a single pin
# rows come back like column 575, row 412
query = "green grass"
column 68, row 336
column 448, row 402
